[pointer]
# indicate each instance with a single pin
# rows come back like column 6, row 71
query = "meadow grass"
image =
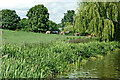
column 19, row 37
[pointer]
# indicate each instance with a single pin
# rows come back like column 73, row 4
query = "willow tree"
column 100, row 18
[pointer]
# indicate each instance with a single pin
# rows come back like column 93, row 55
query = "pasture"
column 19, row 37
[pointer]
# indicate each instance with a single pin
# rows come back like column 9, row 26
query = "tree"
column 37, row 18
column 100, row 18
column 68, row 17
column 23, row 24
column 0, row 20
column 9, row 19
column 69, row 28
column 52, row 26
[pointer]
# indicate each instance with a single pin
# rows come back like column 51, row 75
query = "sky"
column 56, row 8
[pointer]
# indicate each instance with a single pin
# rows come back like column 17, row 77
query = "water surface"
column 106, row 68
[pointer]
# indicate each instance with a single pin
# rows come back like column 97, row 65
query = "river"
column 106, row 68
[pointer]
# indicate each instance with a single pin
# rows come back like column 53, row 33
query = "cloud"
column 22, row 13
column 56, row 8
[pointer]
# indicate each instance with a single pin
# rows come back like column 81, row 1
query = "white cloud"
column 22, row 13
column 56, row 8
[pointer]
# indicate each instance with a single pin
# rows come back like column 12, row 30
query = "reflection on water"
column 108, row 67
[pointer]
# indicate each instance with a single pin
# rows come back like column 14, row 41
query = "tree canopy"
column 37, row 18
column 52, row 26
column 68, row 17
column 23, row 24
column 100, row 18
column 0, row 20
column 9, row 19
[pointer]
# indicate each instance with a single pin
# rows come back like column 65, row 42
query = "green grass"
column 20, row 37
column 40, row 60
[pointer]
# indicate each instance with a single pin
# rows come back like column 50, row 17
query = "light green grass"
column 20, row 37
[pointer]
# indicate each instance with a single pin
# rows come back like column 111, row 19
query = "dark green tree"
column 37, row 18
column 68, row 17
column 52, row 26
column 100, row 18
column 23, row 24
column 10, row 19
column 0, row 20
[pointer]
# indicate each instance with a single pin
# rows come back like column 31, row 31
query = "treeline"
column 37, row 21
column 67, row 21
column 100, row 18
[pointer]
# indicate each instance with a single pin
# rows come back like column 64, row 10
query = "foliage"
column 68, row 17
column 40, row 60
column 52, row 26
column 67, row 21
column 0, row 20
column 100, row 18
column 60, row 25
column 23, row 24
column 38, row 17
column 69, row 27
column 9, row 19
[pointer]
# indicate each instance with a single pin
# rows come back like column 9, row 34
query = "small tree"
column 52, row 26
column 10, row 19
column 68, row 17
column 68, row 27
column 0, row 20
column 23, row 24
column 37, row 18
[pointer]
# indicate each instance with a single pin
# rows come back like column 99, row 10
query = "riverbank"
column 41, row 60
column 107, row 68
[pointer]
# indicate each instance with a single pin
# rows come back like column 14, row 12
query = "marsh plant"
column 41, row 60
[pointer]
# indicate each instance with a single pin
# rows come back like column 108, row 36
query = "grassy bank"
column 41, row 60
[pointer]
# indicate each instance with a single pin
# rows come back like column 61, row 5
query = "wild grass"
column 44, row 60
column 37, row 55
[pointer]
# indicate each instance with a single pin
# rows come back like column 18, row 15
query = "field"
column 29, row 37
column 45, row 59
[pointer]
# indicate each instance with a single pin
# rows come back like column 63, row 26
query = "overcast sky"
column 56, row 8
